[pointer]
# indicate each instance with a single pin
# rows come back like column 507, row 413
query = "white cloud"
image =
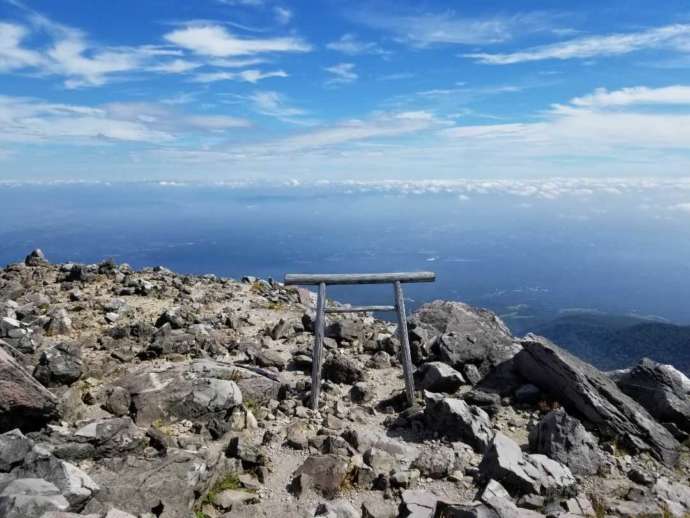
column 637, row 95
column 604, row 125
column 236, row 63
column 216, row 122
column 274, row 104
column 67, row 52
column 450, row 28
column 217, row 41
column 30, row 120
column 351, row 45
column 380, row 126
column 249, row 76
column 12, row 55
column 671, row 36
column 283, row 15
column 176, row 66
column 567, row 140
column 70, row 55
column 343, row 73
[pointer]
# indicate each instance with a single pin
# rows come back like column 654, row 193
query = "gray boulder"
column 564, row 439
column 522, row 473
column 593, row 396
column 497, row 499
column 438, row 377
column 345, row 329
column 59, row 365
column 30, row 498
column 59, row 324
column 112, row 437
column 459, row 334
column 337, row 509
column 458, row 421
column 196, row 390
column 341, row 369
column 36, row 258
column 117, row 401
column 419, row 503
column 166, row 486
column 24, row 402
column 673, row 496
column 325, row 474
column 75, row 485
column 438, row 462
column 660, row 390
column 14, row 446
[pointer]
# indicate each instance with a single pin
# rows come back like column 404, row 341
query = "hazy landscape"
column 540, row 254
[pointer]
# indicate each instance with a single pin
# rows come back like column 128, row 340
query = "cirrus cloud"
column 217, row 41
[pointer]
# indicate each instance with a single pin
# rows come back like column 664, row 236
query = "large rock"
column 59, row 365
column 660, row 389
column 325, row 474
column 459, row 334
column 522, row 473
column 24, row 402
column 438, row 377
column 74, row 484
column 112, row 437
column 14, row 446
column 36, row 258
column 197, row 390
column 341, row 369
column 564, row 439
column 675, row 497
column 438, row 462
column 593, row 396
column 457, row 420
column 30, row 498
column 418, row 503
column 166, row 486
column 59, row 324
column 497, row 501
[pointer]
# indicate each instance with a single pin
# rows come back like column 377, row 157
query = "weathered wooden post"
column 359, row 278
column 406, row 357
column 317, row 353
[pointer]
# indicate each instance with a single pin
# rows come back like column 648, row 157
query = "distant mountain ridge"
column 614, row 341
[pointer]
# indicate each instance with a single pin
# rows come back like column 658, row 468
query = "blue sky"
column 312, row 90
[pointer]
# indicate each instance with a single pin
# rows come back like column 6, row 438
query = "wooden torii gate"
column 321, row 280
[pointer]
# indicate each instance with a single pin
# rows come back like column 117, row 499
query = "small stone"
column 117, row 401
column 437, row 462
column 230, row 497
column 438, row 377
column 361, row 392
column 296, row 436
column 641, row 477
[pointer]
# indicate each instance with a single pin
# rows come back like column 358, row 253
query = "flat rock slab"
column 419, row 503
column 590, row 394
column 195, row 390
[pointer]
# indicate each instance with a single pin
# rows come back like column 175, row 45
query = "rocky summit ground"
column 152, row 394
